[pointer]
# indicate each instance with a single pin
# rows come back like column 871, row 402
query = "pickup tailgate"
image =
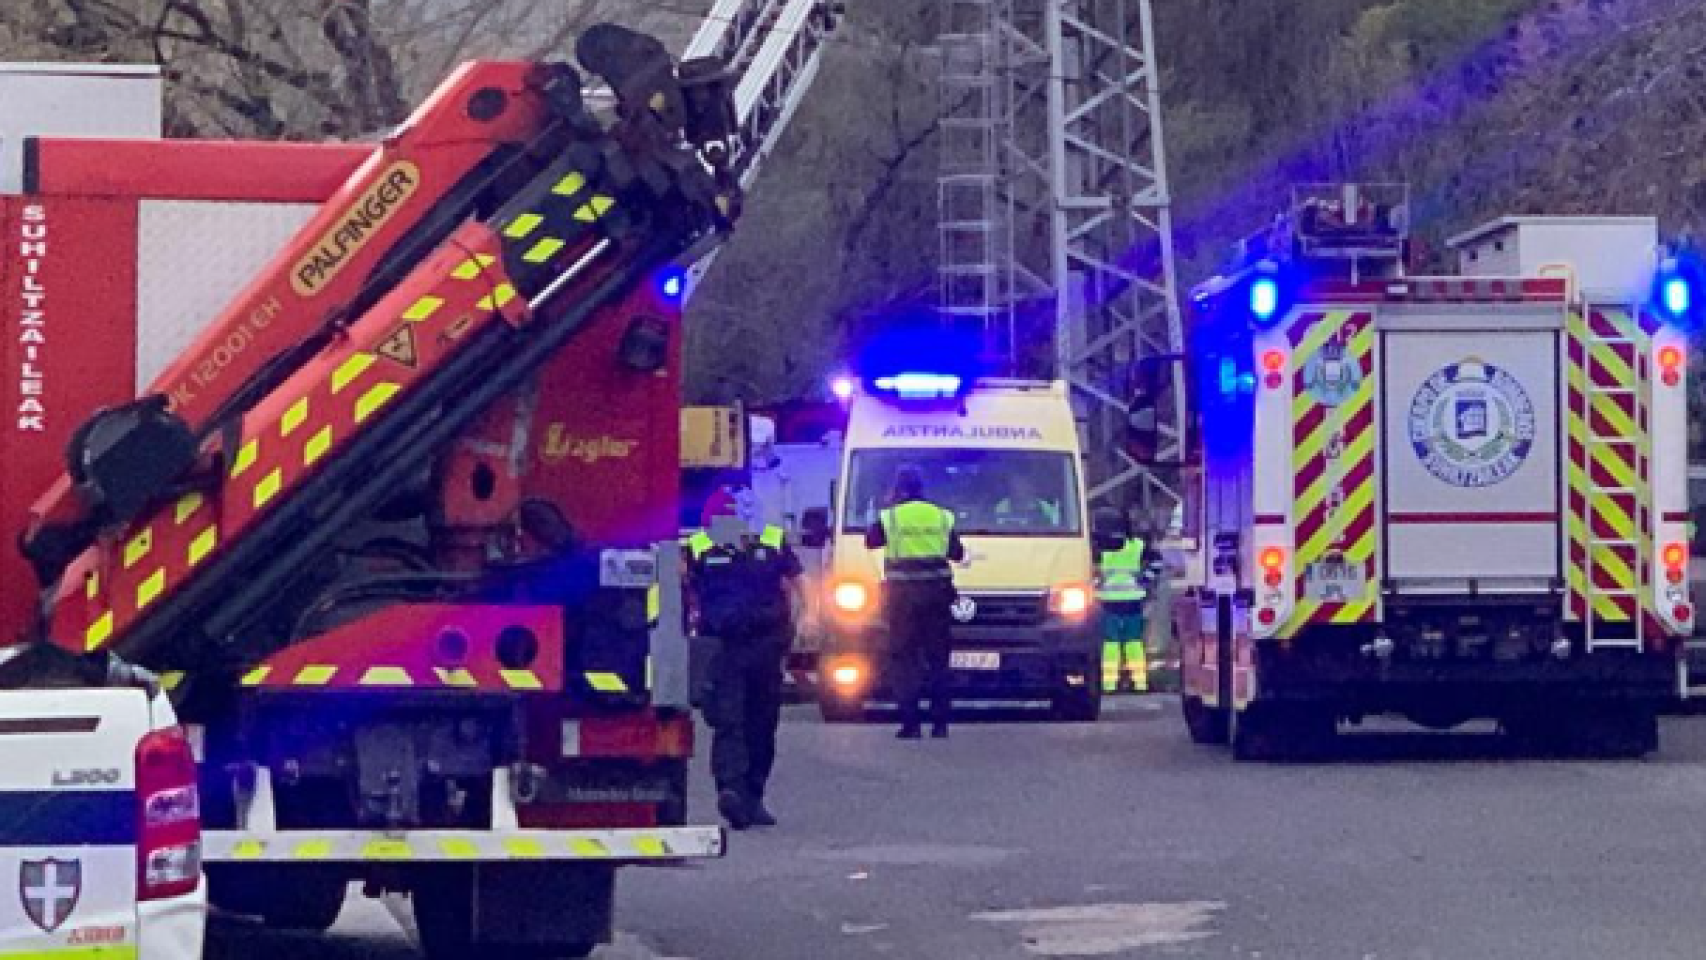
column 68, row 822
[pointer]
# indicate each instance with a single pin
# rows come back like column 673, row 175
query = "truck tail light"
column 168, row 849
column 1273, row 366
column 1070, row 600
column 1272, row 560
column 1670, row 365
column 1675, row 556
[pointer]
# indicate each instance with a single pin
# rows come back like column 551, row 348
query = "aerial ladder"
column 433, row 724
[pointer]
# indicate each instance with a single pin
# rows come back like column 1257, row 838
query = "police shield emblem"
column 49, row 890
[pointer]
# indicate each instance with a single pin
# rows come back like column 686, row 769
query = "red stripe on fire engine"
column 254, row 171
column 1495, row 517
column 1270, row 519
column 1602, row 326
column 1676, row 516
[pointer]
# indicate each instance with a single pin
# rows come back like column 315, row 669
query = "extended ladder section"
column 1617, row 579
column 774, row 49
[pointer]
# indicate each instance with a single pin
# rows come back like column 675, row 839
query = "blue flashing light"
column 1264, row 299
column 842, row 387
column 1677, row 296
column 673, row 284
column 918, row 386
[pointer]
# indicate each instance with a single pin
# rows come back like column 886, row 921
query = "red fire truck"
column 393, row 516
column 1444, row 498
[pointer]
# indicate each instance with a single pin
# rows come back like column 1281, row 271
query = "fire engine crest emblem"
column 1472, row 424
column 1330, row 376
column 49, row 890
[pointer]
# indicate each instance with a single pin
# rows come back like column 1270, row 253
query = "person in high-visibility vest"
column 746, row 588
column 1121, row 588
column 1025, row 506
column 918, row 541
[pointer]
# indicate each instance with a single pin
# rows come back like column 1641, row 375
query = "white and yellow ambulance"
column 1004, row 456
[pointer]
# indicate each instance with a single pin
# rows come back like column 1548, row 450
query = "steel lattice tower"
column 1055, row 224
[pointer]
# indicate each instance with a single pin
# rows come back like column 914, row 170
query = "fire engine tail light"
column 1273, row 367
column 1272, row 560
column 168, row 850
column 1675, row 557
column 1670, row 365
column 1266, row 616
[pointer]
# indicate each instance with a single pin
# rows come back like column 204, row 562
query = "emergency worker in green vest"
column 918, row 541
column 1124, row 594
column 1024, row 506
column 745, row 589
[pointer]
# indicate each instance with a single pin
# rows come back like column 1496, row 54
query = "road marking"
column 1104, row 929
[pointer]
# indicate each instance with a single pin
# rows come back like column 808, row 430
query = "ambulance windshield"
column 995, row 493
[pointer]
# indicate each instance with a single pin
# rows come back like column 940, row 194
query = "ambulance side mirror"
column 814, row 528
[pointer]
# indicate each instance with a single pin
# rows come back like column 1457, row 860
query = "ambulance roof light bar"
column 920, row 386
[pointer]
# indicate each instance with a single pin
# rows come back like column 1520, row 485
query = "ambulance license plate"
column 974, row 660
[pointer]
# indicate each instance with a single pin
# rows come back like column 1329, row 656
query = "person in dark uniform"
column 918, row 541
column 745, row 588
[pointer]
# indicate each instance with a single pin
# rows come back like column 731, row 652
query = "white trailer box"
column 1610, row 258
column 72, row 100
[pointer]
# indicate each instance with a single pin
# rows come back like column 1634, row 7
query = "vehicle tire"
column 1207, row 725
column 1076, row 705
column 447, row 901
column 837, row 710
column 305, row 901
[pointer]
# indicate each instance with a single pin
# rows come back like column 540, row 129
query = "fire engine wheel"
column 1207, row 725
column 472, row 913
column 1606, row 731
column 1272, row 733
column 284, row 898
column 306, row 902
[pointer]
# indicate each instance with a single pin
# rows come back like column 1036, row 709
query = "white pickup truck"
column 100, row 832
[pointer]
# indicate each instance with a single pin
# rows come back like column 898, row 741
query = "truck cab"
column 99, row 826
column 1004, row 457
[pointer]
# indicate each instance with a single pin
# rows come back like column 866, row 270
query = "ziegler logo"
column 96, row 777
column 363, row 220
column 560, row 446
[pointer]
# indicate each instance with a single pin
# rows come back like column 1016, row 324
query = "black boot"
column 760, row 814
column 939, row 731
column 909, row 733
column 734, row 809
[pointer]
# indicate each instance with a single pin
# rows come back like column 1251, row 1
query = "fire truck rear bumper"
column 464, row 846
column 1474, row 685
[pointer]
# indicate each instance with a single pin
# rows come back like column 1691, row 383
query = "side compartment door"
column 1472, row 451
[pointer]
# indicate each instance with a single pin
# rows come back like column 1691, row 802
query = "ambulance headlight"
column 1070, row 601
column 851, row 597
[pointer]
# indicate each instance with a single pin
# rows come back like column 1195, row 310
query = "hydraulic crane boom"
column 587, row 213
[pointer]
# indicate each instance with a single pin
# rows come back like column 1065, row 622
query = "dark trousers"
column 744, row 708
column 919, row 617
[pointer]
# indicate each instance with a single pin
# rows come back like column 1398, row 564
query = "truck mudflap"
column 464, row 846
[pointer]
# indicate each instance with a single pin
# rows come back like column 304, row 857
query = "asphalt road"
column 1121, row 839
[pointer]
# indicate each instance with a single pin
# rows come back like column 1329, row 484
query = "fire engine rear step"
column 632, row 845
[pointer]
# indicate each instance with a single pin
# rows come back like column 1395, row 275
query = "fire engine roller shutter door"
column 1471, row 448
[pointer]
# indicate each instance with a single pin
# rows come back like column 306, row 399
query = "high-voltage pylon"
column 1079, row 262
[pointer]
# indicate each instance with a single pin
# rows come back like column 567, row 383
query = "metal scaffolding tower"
column 1054, row 199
